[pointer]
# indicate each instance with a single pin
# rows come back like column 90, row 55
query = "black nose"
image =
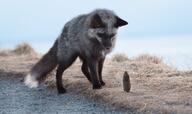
column 107, row 44
column 107, row 48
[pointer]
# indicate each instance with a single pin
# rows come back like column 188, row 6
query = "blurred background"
column 162, row 28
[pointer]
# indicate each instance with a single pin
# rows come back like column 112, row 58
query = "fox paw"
column 61, row 90
column 102, row 83
column 97, row 86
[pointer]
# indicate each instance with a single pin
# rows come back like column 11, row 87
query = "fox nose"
column 107, row 45
column 108, row 48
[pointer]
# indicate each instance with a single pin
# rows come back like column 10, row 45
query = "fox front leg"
column 100, row 68
column 85, row 70
column 93, row 66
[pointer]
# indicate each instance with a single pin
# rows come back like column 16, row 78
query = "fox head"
column 103, row 27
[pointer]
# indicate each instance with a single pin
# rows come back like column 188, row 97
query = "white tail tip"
column 30, row 81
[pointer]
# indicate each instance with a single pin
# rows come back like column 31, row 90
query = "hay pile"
column 21, row 49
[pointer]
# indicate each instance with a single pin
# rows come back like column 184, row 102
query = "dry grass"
column 119, row 57
column 156, row 88
column 21, row 49
column 24, row 49
column 149, row 59
column 4, row 52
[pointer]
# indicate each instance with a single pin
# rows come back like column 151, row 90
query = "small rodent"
column 126, row 82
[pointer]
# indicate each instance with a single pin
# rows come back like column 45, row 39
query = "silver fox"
column 90, row 37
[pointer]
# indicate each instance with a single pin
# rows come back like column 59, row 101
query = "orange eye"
column 98, row 25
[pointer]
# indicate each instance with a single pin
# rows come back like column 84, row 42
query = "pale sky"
column 158, row 27
column 40, row 20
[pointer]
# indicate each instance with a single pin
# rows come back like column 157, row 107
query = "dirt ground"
column 155, row 87
column 16, row 98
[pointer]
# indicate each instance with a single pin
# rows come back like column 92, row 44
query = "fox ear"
column 120, row 22
column 96, row 22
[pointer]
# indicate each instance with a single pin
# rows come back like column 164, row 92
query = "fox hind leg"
column 64, row 64
column 59, row 73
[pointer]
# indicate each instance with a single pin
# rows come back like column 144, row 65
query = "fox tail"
column 44, row 66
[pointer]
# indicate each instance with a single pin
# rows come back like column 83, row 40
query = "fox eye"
column 98, row 25
column 102, row 35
